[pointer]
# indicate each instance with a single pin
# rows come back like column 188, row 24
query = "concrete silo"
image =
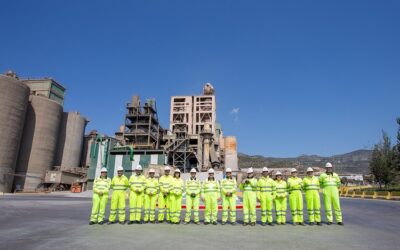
column 70, row 143
column 14, row 96
column 39, row 142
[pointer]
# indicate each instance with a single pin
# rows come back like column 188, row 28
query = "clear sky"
column 291, row 77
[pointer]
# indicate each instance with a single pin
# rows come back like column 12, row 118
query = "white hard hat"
column 328, row 165
column 120, row 168
column 193, row 170
column 228, row 170
column 250, row 170
column 211, row 171
column 310, row 170
column 278, row 173
column 151, row 170
column 139, row 167
column 265, row 169
column 293, row 170
column 103, row 170
column 167, row 168
column 177, row 170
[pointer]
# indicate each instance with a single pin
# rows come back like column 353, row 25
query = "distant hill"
column 353, row 162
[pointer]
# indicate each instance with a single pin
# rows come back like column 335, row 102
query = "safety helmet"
column 293, row 170
column 193, row 170
column 250, row 170
column 328, row 165
column 120, row 168
column 211, row 171
column 228, row 170
column 278, row 173
column 103, row 170
column 265, row 169
column 151, row 170
column 310, row 169
column 167, row 168
column 177, row 170
column 139, row 167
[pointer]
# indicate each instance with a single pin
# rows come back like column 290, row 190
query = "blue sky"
column 291, row 77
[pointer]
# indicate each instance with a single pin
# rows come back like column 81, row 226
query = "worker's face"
column 329, row 170
column 265, row 173
column 177, row 175
column 193, row 175
column 103, row 174
column 151, row 175
column 279, row 177
column 229, row 174
column 138, row 172
column 166, row 172
column 310, row 173
column 211, row 176
column 120, row 173
column 250, row 175
column 294, row 174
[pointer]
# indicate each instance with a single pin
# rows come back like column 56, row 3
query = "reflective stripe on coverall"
column 249, row 200
column 119, row 186
column 311, row 188
column 193, row 188
column 211, row 192
column 100, row 185
column 136, row 197
column 281, row 201
column 330, row 184
column 163, row 199
column 151, row 190
column 266, row 193
column 228, row 202
column 295, row 185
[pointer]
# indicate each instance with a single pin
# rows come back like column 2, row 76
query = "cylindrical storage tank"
column 70, row 142
column 14, row 96
column 231, row 158
column 39, row 142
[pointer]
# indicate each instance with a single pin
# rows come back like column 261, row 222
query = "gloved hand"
column 193, row 195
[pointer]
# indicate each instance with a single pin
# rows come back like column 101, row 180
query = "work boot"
column 206, row 223
column 160, row 221
column 130, row 222
column 223, row 223
column 197, row 223
column 270, row 223
column 245, row 223
column 319, row 223
column 145, row 222
column 214, row 223
column 340, row 223
column 301, row 224
column 111, row 222
column 311, row 223
column 233, row 223
column 253, row 224
column 139, row 222
column 263, row 224
column 329, row 223
column 92, row 223
column 122, row 222
column 101, row 222
column 152, row 222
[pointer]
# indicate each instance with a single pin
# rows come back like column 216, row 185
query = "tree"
column 382, row 161
column 397, row 148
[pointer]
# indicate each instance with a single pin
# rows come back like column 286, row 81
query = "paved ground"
column 48, row 222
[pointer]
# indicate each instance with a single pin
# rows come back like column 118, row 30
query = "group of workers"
column 167, row 191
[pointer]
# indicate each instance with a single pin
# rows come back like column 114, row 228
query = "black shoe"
column 263, row 224
column 270, row 224
column 233, row 223
column 130, row 222
column 253, row 224
column 311, row 223
column 223, row 223
column 160, row 221
column 139, row 222
column 206, row 223
column 319, row 223
column 92, row 223
column 101, row 222
column 340, row 223
column 145, row 222
column 329, row 223
column 245, row 223
column 214, row 223
column 283, row 223
column 122, row 222
column 111, row 222
column 152, row 222
column 301, row 224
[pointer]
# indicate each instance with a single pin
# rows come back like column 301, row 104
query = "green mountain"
column 356, row 162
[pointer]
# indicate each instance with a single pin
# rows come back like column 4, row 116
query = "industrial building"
column 41, row 144
column 45, row 148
